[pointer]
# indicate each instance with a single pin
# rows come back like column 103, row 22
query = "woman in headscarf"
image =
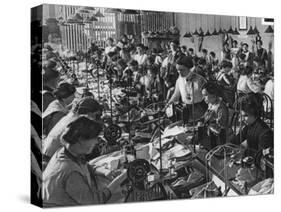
column 87, row 107
column 50, row 82
column 246, row 84
column 59, row 107
column 68, row 179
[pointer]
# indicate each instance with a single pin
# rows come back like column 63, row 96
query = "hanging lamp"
column 269, row 29
column 251, row 31
column 99, row 14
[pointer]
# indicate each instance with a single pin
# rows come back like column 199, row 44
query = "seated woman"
column 125, row 55
column 68, row 179
column 87, row 107
column 151, row 83
column 245, row 83
column 212, row 66
column 121, row 65
column 256, row 132
column 216, row 117
column 59, row 107
column 201, row 67
column 226, row 53
column 269, row 90
column 50, row 82
column 131, row 73
column 224, row 77
column 157, row 58
column 170, row 83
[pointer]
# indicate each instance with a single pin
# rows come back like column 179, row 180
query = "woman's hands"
column 115, row 184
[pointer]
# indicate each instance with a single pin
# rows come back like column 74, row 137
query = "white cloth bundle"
column 264, row 187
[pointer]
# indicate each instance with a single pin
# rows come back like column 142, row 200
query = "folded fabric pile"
column 176, row 152
column 174, row 131
column 264, row 187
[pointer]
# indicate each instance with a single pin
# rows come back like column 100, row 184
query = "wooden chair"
column 267, row 113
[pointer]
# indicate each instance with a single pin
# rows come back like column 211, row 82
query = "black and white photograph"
column 140, row 105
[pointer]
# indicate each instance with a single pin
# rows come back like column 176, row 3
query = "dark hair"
column 185, row 61
column 213, row 54
column 211, row 88
column 202, row 61
column 87, row 93
column 81, row 128
column 49, row 74
column 175, row 41
column 171, row 78
column 183, row 47
column 124, row 36
column 86, row 105
column 195, row 60
column 64, row 90
column 191, row 49
column 125, row 50
column 259, row 41
column 258, row 60
column 151, row 59
column 252, row 104
column 140, row 45
column 122, row 63
column 242, row 56
column 154, row 51
column 260, row 70
column 245, row 44
column 112, row 54
column 50, row 55
column 131, row 49
column 247, row 70
column 205, row 51
column 226, row 64
column 153, row 69
column 110, row 39
column 133, row 63
column 225, row 43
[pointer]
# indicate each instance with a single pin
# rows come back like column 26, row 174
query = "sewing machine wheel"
column 137, row 172
column 112, row 133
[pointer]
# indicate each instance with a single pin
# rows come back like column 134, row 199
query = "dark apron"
column 199, row 111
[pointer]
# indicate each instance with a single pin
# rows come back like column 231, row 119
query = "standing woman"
column 226, row 53
column 58, row 108
column 68, row 179
column 141, row 56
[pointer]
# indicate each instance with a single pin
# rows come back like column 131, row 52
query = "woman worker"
column 58, row 108
column 68, row 179
column 256, row 133
column 216, row 117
